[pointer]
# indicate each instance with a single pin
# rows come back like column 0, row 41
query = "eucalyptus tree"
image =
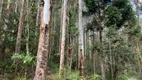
column 43, row 45
column 62, row 52
column 81, row 39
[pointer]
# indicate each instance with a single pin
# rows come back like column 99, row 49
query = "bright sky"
column 134, row 6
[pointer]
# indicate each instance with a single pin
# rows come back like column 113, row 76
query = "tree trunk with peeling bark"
column 42, row 54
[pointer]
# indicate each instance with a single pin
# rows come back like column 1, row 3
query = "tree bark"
column 16, row 5
column 20, row 27
column 64, row 8
column 102, row 57
column 3, row 46
column 81, row 40
column 93, row 53
column 43, row 45
column 38, row 11
column 69, row 56
column 27, row 28
column 1, row 7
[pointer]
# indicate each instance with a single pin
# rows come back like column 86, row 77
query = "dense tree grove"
column 70, row 40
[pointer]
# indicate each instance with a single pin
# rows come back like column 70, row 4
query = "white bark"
column 46, row 14
column 16, row 5
column 64, row 8
column 81, row 40
column 81, row 30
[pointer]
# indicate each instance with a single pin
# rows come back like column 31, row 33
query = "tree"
column 37, row 16
column 20, row 27
column 107, row 14
column 1, row 7
column 85, row 39
column 81, row 39
column 64, row 8
column 42, row 54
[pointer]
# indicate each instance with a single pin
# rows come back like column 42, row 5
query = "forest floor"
column 132, row 78
column 135, row 78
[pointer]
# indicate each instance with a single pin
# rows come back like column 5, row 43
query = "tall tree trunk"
column 27, row 27
column 38, row 11
column 20, row 27
column 81, row 40
column 64, row 8
column 42, row 55
column 69, row 56
column 93, row 53
column 16, row 5
column 102, row 57
column 19, row 34
column 1, row 7
column 111, row 65
column 27, row 31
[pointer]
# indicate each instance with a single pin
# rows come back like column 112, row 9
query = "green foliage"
column 111, row 33
column 114, row 16
column 96, row 77
column 6, row 66
column 73, row 76
column 26, row 62
column 24, row 58
column 98, row 46
column 72, row 21
column 134, row 32
column 94, row 5
column 20, row 78
column 126, row 11
column 57, row 6
column 122, row 77
column 119, row 50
